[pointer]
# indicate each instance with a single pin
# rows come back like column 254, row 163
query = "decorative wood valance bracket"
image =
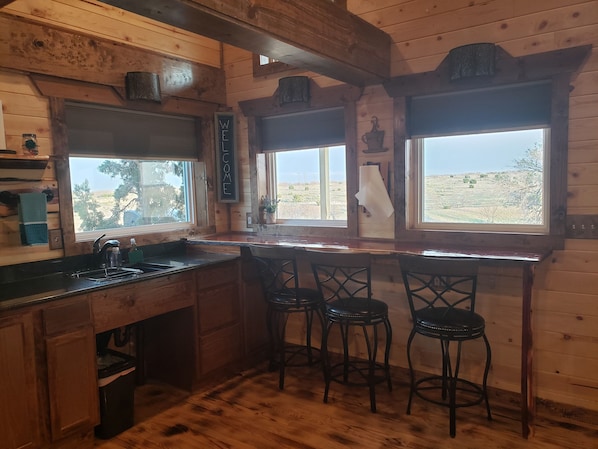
column 507, row 70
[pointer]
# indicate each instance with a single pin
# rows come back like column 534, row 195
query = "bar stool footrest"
column 357, row 369
column 467, row 393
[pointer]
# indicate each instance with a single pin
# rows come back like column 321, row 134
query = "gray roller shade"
column 120, row 133
column 309, row 129
column 523, row 105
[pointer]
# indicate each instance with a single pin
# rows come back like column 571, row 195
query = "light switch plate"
column 55, row 238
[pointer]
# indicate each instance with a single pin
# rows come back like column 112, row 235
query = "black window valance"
column 120, row 133
column 510, row 106
column 307, row 129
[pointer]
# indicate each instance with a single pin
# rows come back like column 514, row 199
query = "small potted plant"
column 268, row 207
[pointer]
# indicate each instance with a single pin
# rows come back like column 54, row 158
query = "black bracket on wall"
column 12, row 199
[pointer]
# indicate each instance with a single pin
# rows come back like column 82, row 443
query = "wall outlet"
column 55, row 238
column 248, row 220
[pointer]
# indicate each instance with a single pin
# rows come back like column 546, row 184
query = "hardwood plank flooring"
column 248, row 411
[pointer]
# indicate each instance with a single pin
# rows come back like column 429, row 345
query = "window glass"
column 111, row 194
column 486, row 181
column 311, row 184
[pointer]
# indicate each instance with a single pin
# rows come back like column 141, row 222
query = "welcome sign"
column 226, row 158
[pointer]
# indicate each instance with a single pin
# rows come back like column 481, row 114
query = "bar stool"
column 344, row 281
column 441, row 294
column 277, row 268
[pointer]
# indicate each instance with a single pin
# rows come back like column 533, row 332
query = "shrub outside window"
column 111, row 194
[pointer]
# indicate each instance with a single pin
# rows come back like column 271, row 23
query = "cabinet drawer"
column 68, row 315
column 220, row 348
column 218, row 306
column 130, row 303
column 219, row 274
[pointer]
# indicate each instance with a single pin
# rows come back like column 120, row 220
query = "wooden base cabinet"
column 72, row 369
column 219, row 317
column 19, row 407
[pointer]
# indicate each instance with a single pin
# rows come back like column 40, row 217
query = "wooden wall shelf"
column 22, row 168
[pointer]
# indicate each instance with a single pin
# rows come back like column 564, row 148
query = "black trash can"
column 116, row 381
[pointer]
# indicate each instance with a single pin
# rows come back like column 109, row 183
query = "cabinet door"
column 19, row 409
column 219, row 327
column 72, row 382
column 219, row 317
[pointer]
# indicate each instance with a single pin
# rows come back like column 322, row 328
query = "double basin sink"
column 112, row 273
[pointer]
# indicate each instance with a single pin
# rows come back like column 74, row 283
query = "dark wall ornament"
column 143, row 86
column 293, row 89
column 374, row 139
column 473, row 60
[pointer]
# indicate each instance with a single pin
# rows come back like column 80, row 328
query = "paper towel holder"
column 384, row 169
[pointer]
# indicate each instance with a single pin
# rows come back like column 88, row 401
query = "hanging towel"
column 33, row 218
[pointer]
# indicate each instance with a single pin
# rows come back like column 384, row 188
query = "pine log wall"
column 565, row 308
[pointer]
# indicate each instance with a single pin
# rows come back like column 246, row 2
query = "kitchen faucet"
column 101, row 251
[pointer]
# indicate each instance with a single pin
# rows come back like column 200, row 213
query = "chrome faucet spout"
column 100, row 251
column 96, row 244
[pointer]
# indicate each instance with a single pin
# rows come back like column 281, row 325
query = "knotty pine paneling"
column 101, row 20
column 25, row 112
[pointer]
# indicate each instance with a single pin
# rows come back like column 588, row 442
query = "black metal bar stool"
column 277, row 267
column 441, row 294
column 344, row 280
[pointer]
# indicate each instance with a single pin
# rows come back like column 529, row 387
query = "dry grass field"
column 462, row 198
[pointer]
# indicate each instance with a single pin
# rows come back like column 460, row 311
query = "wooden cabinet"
column 71, row 366
column 219, row 316
column 19, row 408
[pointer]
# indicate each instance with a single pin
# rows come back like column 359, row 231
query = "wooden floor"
column 248, row 411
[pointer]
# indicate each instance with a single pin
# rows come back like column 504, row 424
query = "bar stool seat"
column 444, row 322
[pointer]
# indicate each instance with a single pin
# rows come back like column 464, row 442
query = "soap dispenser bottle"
column 135, row 254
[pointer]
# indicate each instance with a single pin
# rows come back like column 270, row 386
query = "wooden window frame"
column 345, row 96
column 60, row 90
column 555, row 66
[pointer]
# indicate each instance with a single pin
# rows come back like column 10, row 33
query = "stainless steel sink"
column 150, row 267
column 104, row 274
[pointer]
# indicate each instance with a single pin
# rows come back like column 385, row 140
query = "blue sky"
column 481, row 153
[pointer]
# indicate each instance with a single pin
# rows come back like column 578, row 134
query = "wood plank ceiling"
column 315, row 35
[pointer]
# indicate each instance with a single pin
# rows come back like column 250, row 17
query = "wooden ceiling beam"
column 314, row 35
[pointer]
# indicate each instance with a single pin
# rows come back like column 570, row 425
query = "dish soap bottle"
column 135, row 254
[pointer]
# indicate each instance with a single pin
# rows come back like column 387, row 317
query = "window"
column 310, row 184
column 109, row 194
column 132, row 170
column 263, row 65
column 479, row 159
column 306, row 166
column 495, row 181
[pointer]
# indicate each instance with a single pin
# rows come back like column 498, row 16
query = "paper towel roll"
column 372, row 192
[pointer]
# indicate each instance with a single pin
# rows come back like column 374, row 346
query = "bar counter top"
column 373, row 246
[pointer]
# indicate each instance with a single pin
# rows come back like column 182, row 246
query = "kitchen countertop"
column 60, row 284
